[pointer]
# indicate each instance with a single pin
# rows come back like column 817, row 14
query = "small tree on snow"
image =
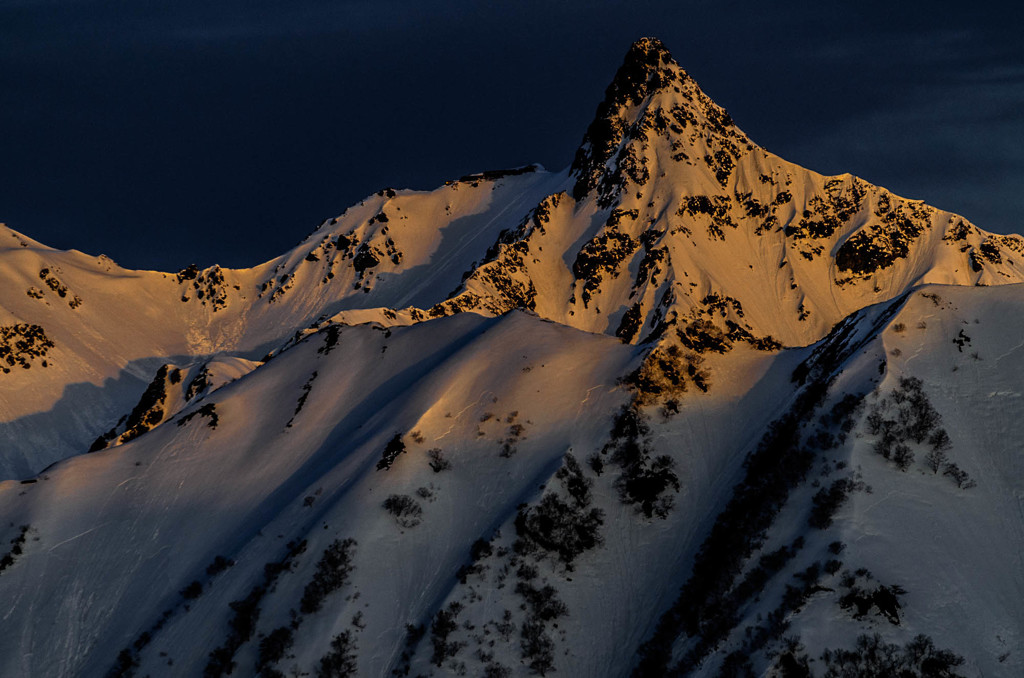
column 936, row 459
column 902, row 456
column 395, row 447
column 960, row 477
column 939, row 440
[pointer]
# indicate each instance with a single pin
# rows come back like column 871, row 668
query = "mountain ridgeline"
column 683, row 408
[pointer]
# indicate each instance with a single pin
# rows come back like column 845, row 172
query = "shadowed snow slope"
column 683, row 408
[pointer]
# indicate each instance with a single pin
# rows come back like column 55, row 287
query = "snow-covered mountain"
column 683, row 408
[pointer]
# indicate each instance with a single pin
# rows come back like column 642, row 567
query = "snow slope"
column 683, row 408
column 125, row 324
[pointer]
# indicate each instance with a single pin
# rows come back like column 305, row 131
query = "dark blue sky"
column 167, row 133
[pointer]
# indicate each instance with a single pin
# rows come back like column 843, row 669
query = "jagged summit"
column 648, row 66
column 676, row 229
column 629, row 111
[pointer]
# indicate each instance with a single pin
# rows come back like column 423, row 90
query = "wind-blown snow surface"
column 683, row 408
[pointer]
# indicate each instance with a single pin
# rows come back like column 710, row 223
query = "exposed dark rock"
column 646, row 69
column 199, row 384
column 21, row 344
column 365, row 258
column 716, row 207
column 827, row 213
column 880, row 245
column 208, row 286
column 630, row 324
column 602, row 256
column 150, row 409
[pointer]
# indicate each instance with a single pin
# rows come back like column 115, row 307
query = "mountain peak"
column 650, row 95
column 647, row 67
column 788, row 342
column 648, row 44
